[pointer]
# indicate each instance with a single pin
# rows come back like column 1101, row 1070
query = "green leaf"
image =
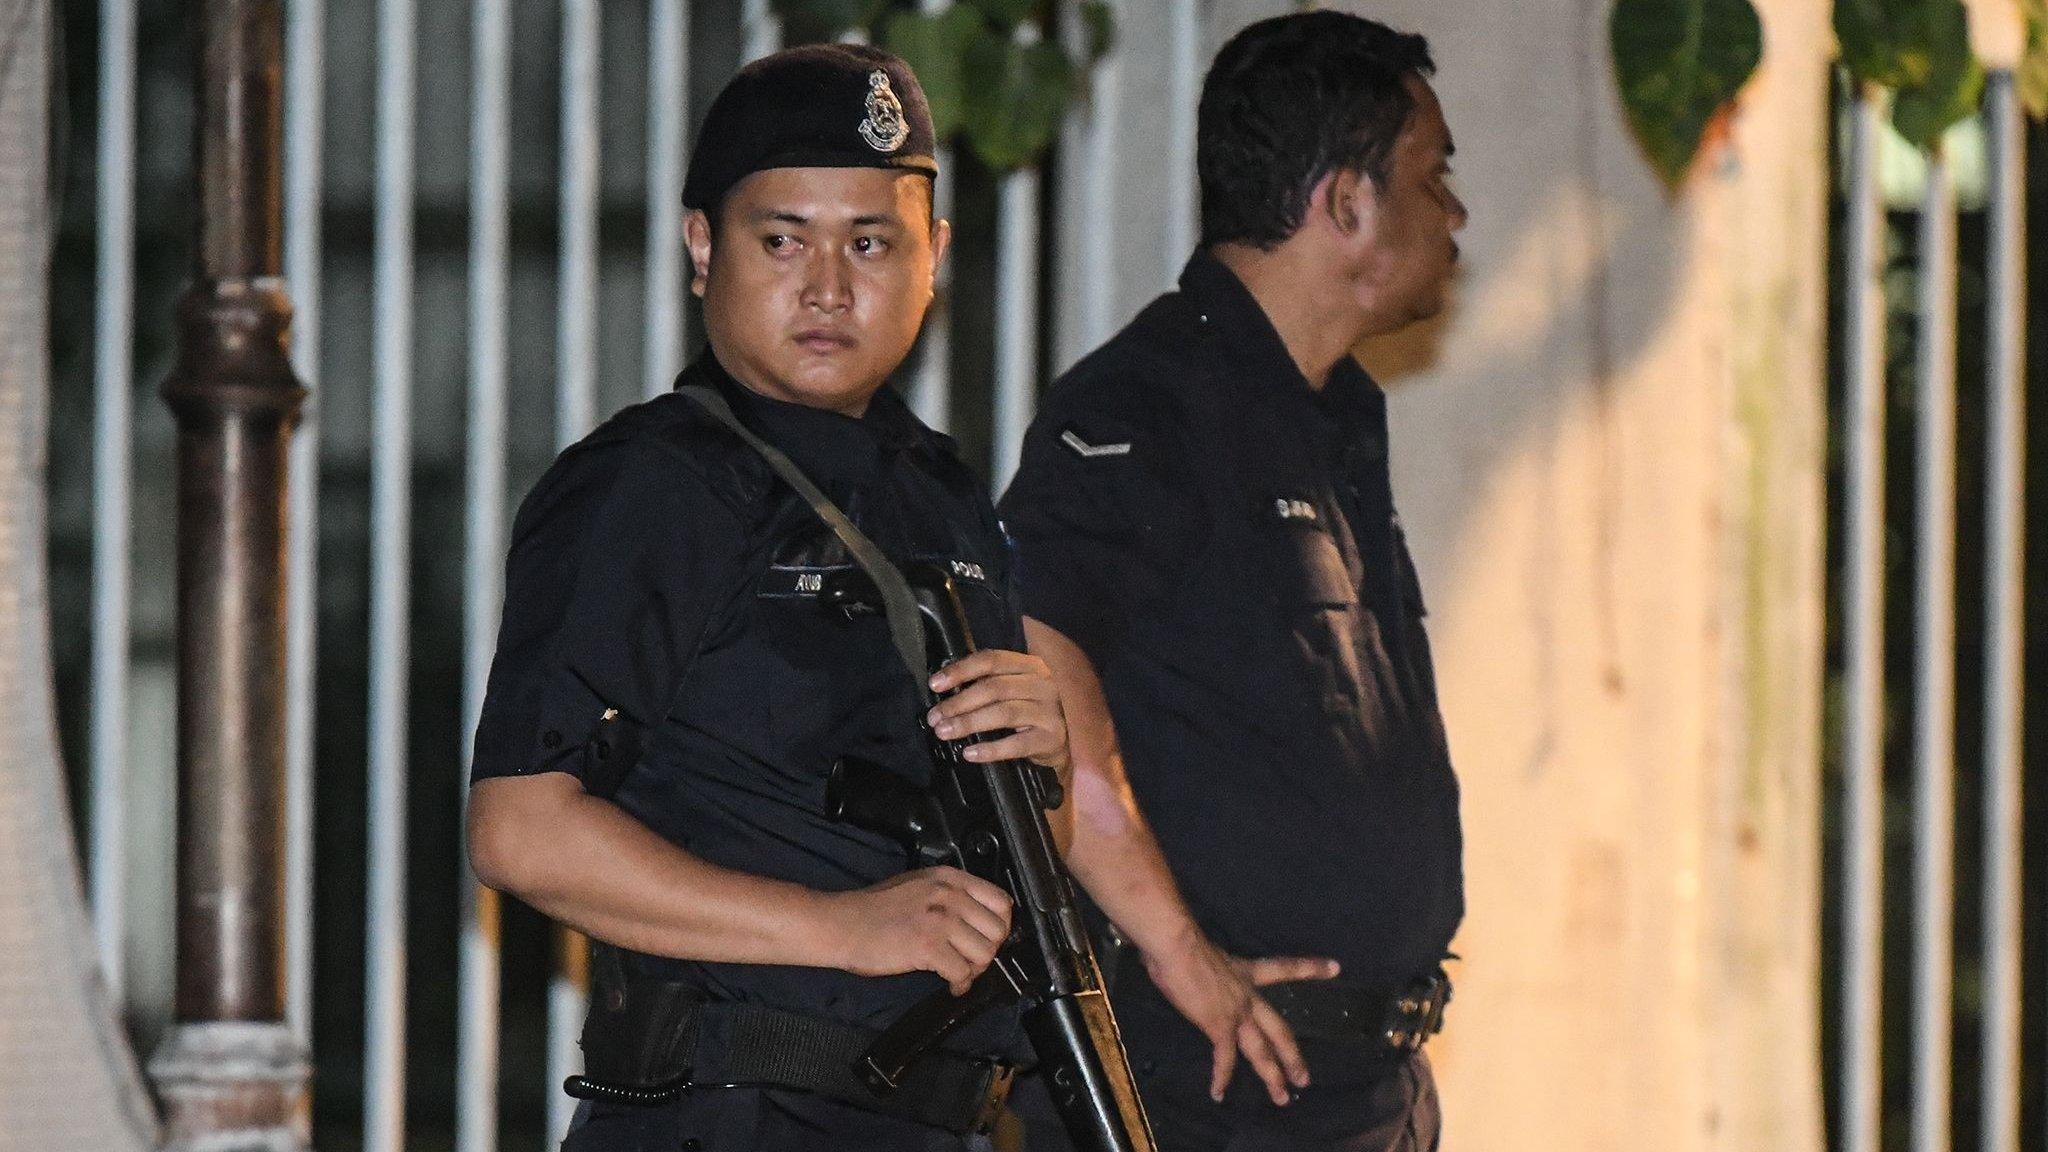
column 1004, row 14
column 1882, row 40
column 1923, row 113
column 1919, row 48
column 1015, row 101
column 826, row 19
column 936, row 49
column 1679, row 64
column 2033, row 68
column 1098, row 22
column 1944, row 76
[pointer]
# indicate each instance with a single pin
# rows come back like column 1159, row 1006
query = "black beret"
column 818, row 106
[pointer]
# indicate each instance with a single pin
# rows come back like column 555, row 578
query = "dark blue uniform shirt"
column 1220, row 539
column 662, row 641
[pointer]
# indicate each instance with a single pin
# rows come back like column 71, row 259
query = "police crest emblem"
column 885, row 129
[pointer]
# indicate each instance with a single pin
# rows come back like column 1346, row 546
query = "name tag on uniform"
column 1084, row 449
column 807, row 581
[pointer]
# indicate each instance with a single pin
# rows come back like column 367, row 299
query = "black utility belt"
column 647, row 1041
column 1397, row 1020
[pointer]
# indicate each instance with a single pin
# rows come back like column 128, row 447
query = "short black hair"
column 1290, row 100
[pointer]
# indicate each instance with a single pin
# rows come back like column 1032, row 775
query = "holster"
column 639, row 1038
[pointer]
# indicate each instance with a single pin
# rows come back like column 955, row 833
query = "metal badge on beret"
column 885, row 129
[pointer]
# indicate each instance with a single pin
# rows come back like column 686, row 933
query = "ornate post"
column 230, row 1074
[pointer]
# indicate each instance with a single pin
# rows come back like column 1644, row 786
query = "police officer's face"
column 1401, row 260
column 818, row 280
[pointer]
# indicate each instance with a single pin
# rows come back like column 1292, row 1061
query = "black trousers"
column 1358, row 1100
column 750, row 1119
column 1396, row 1112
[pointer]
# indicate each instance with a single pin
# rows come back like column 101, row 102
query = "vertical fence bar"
column 668, row 36
column 1934, row 665
column 931, row 385
column 1185, row 90
column 113, row 443
column 760, row 30
column 390, row 561
column 1016, row 336
column 575, row 413
column 1089, row 146
column 1016, row 321
column 576, row 331
column 304, row 110
column 477, row 976
column 2004, row 577
column 1863, row 612
column 568, row 1002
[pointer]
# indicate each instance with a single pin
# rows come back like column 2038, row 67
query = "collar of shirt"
column 827, row 445
column 1351, row 403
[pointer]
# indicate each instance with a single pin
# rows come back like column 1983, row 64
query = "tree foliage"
column 1920, row 49
column 1680, row 64
column 993, row 81
column 2033, row 69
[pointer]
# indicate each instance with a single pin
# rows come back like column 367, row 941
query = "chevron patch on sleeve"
column 1083, row 448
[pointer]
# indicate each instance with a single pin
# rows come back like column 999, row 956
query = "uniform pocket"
column 1314, row 575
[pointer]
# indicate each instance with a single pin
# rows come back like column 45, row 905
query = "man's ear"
column 942, row 239
column 1351, row 200
column 697, row 238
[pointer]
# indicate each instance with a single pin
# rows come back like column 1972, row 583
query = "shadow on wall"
column 1568, row 264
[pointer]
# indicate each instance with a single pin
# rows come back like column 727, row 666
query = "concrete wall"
column 67, row 1079
column 1608, row 456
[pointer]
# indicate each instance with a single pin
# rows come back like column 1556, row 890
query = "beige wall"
column 1609, row 459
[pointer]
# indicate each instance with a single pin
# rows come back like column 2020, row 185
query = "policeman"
column 670, row 692
column 1213, row 568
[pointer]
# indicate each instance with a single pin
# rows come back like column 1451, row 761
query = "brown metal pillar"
column 230, row 1074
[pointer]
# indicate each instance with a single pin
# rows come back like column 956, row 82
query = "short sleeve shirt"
column 1221, row 540
column 664, row 642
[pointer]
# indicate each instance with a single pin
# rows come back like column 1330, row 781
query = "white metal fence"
column 1861, row 1110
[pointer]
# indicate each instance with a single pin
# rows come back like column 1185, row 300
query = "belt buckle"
column 1417, row 1012
column 1440, row 999
column 1001, row 1074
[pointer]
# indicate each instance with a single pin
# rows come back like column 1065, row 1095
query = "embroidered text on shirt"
column 1295, row 509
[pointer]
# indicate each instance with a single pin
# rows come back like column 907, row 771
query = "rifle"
column 989, row 820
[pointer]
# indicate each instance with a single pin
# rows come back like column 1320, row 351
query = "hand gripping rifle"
column 989, row 820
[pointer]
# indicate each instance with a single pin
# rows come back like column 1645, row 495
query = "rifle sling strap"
column 905, row 628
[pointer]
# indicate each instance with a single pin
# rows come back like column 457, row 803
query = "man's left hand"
column 1218, row 994
column 1002, row 691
